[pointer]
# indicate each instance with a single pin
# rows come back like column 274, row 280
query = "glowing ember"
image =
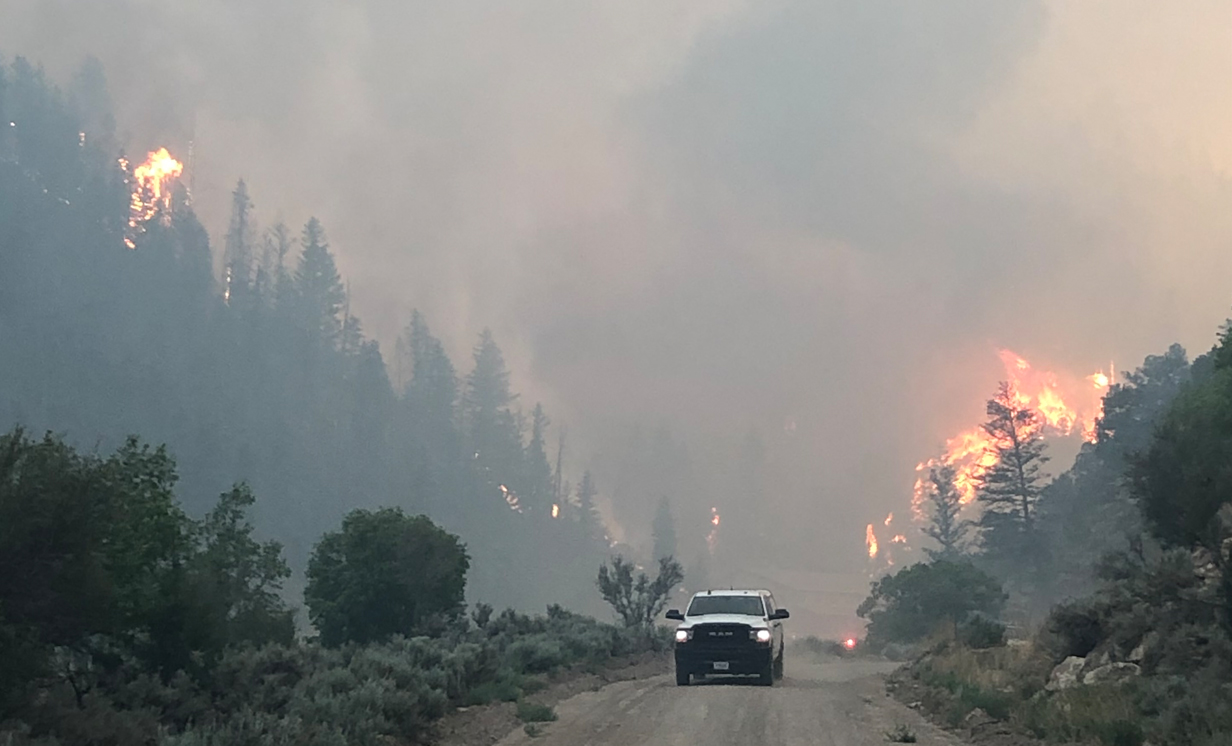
column 1065, row 405
column 152, row 182
column 712, row 538
column 871, row 540
column 511, row 499
column 849, row 643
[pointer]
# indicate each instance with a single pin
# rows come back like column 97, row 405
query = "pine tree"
column 491, row 425
column 278, row 244
column 432, row 392
column 539, row 488
column 237, row 251
column 1010, row 488
column 664, row 531
column 588, row 512
column 946, row 526
column 319, row 291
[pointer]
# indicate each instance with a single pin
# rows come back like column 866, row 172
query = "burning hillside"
column 1066, row 405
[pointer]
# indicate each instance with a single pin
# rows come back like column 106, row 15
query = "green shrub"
column 531, row 712
column 537, row 654
column 981, row 632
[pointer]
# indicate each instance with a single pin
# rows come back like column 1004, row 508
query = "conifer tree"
column 664, row 531
column 1010, row 489
column 319, row 290
column 946, row 525
column 588, row 512
column 538, row 490
column 238, row 249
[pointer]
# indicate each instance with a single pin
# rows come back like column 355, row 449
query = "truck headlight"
column 761, row 635
column 683, row 635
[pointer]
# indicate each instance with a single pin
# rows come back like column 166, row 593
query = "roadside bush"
column 530, row 712
column 537, row 654
column 918, row 600
column 981, row 632
column 1106, row 714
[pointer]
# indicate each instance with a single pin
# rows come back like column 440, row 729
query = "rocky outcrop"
column 1112, row 674
column 1067, row 674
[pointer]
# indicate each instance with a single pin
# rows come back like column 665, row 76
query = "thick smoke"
column 811, row 220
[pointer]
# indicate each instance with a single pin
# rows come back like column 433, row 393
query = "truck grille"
column 721, row 636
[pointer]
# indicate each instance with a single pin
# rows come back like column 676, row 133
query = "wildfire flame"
column 1064, row 406
column 871, row 540
column 712, row 538
column 555, row 511
column 152, row 183
column 511, row 499
column 889, row 518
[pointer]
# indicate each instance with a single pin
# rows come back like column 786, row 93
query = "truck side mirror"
column 675, row 615
column 781, row 614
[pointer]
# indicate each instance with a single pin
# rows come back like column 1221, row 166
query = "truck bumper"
column 750, row 661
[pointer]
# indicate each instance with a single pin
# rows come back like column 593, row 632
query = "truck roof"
column 730, row 592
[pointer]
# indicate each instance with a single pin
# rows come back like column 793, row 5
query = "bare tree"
column 638, row 601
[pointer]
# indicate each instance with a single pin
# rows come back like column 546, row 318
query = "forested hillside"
column 257, row 371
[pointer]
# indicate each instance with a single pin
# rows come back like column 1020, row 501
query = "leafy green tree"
column 242, row 577
column 384, row 573
column 1090, row 510
column 946, row 526
column 634, row 596
column 917, row 601
column 1185, row 476
column 663, row 530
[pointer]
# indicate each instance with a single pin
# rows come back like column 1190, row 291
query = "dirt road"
column 839, row 703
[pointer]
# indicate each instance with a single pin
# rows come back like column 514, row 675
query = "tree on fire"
column 946, row 525
column 1010, row 488
column 268, row 377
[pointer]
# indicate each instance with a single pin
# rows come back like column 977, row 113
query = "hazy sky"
column 717, row 213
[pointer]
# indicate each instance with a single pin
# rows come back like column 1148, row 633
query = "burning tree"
column 946, row 526
column 1010, row 486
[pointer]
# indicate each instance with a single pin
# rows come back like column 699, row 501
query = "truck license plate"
column 721, row 665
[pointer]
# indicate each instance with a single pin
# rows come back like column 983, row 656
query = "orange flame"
column 555, row 511
column 1064, row 406
column 870, row 539
column 712, row 538
column 151, row 189
column 511, row 499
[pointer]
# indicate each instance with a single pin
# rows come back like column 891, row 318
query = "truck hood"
column 752, row 621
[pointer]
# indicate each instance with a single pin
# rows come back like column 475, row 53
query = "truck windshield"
column 745, row 605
